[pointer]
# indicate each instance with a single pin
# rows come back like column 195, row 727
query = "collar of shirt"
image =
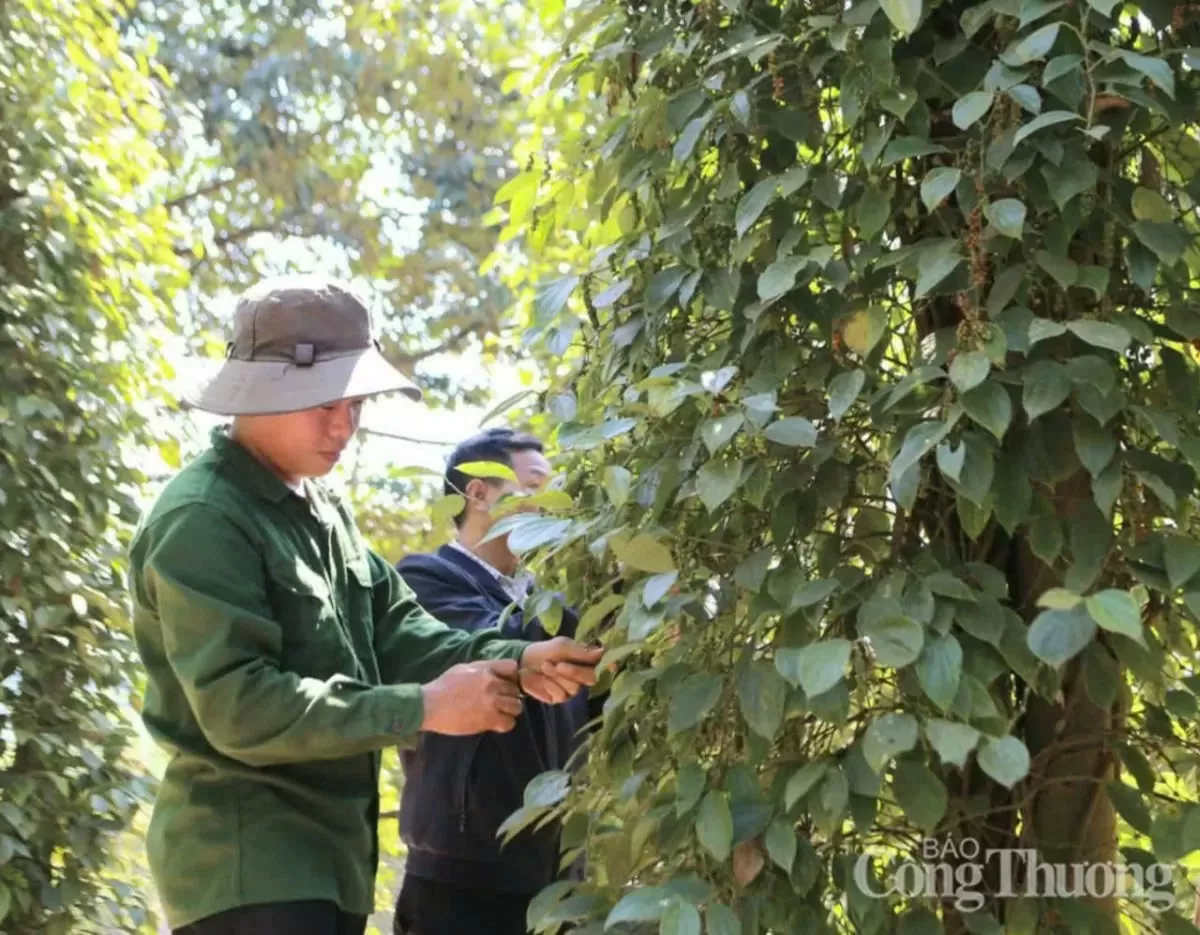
column 517, row 588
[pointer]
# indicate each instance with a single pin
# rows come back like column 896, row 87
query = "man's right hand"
column 473, row 698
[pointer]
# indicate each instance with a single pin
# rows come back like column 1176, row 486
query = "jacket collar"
column 475, row 570
column 247, row 469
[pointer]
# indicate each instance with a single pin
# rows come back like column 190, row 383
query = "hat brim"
column 267, row 387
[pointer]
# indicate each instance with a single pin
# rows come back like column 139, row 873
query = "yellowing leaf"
column 864, row 329
column 645, row 553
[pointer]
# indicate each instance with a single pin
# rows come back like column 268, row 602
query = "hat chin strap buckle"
column 304, row 355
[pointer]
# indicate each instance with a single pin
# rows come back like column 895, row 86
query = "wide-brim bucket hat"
column 299, row 342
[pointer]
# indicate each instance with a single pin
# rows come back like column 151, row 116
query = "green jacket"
column 282, row 656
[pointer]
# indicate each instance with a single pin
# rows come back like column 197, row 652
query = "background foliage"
column 881, row 398
column 85, row 266
column 869, row 335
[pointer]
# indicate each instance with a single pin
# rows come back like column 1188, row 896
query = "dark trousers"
column 310, row 917
column 427, row 907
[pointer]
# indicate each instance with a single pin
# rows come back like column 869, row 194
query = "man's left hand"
column 557, row 669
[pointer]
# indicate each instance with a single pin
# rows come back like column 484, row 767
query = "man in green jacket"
column 282, row 654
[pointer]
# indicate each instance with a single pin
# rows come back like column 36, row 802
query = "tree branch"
column 202, row 192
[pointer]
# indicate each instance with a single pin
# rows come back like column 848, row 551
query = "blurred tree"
column 86, row 267
column 370, row 136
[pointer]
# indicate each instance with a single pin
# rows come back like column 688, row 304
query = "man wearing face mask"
column 282, row 655
column 460, row 877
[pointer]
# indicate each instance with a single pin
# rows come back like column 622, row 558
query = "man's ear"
column 476, row 493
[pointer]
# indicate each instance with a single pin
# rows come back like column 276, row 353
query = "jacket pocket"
column 462, row 792
column 314, row 641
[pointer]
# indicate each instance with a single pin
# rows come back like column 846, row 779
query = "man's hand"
column 473, row 698
column 555, row 670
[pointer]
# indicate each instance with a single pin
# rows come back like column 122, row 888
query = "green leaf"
column 1042, row 329
column 803, row 781
column 1129, row 804
column 1047, row 386
column 1156, row 69
column 950, row 461
column 968, row 370
column 681, row 918
column 796, row 432
column 1094, row 444
column 739, row 106
column 1104, row 7
column 1059, row 66
column 938, row 184
column 1149, row 205
column 446, row 508
column 762, row 694
column 948, row 584
column 1005, row 288
column 714, row 825
column 1064, row 270
column 816, row 668
column 1059, row 599
column 645, row 553
column 751, row 571
column 5, row 901
column 933, row 267
column 658, row 587
column 689, row 786
column 920, row 794
column 692, row 700
column 1182, row 554
column 921, row 439
column 1005, row 759
column 897, row 641
column 939, row 669
column 1168, row 241
column 641, row 905
column 1069, row 180
column 1102, row 675
column 1117, row 612
column 780, row 841
column 663, row 284
column 753, row 204
column 1041, row 122
column 617, row 481
column 844, row 389
column 971, row 107
column 887, row 737
column 990, row 406
column 488, row 469
column 690, row 136
column 1056, row 636
column 952, row 741
column 1101, row 334
column 716, row 482
column 1035, row 46
column 873, row 210
column 780, row 277
column 552, row 298
column 1008, row 216
column 905, row 15
column 717, row 432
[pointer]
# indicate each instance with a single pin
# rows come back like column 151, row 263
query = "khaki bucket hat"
column 298, row 342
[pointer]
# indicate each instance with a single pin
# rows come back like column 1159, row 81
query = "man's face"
column 308, row 443
column 532, row 470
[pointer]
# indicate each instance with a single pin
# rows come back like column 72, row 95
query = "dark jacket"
column 459, row 790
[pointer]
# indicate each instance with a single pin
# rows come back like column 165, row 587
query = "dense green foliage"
column 85, row 265
column 871, row 330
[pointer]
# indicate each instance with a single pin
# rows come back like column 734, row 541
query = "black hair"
column 495, row 445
